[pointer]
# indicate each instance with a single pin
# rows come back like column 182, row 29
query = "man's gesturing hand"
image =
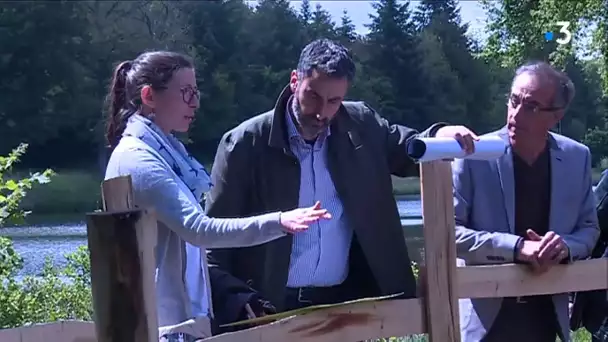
column 298, row 219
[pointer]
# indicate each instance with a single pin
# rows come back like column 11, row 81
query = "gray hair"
column 564, row 88
column 328, row 57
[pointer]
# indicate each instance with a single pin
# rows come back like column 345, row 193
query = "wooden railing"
column 125, row 304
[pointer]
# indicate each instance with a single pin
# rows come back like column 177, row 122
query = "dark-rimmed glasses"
column 188, row 94
column 515, row 100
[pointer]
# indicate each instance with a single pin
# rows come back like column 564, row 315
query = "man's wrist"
column 432, row 131
column 518, row 246
column 568, row 258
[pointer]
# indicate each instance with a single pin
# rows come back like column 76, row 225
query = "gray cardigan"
column 180, row 219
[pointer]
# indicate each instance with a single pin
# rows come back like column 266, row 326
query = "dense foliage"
column 416, row 64
column 53, row 294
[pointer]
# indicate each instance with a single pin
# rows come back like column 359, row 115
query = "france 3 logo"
column 563, row 36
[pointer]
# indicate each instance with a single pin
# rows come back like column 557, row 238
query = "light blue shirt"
column 319, row 256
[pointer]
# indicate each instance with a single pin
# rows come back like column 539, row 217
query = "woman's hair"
column 154, row 69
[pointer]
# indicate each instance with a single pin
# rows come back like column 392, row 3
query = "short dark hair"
column 564, row 88
column 155, row 68
column 328, row 57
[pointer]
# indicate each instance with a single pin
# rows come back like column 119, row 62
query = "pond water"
column 35, row 243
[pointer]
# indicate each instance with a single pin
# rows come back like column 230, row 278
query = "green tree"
column 277, row 37
column 597, row 141
column 587, row 109
column 414, row 68
column 516, row 28
column 393, row 62
column 305, row 12
column 220, row 42
column 41, row 74
column 345, row 31
column 321, row 25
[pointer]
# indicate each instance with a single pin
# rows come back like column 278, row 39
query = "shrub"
column 56, row 293
column 13, row 191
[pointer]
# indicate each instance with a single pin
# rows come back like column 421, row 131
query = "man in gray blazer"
column 534, row 206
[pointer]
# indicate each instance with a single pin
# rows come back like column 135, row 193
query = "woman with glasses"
column 150, row 98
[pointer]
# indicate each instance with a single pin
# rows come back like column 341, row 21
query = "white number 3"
column 564, row 29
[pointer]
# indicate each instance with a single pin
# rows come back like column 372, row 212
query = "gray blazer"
column 485, row 211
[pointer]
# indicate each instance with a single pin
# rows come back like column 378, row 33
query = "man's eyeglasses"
column 188, row 94
column 529, row 106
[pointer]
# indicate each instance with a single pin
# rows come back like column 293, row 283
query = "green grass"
column 75, row 192
column 70, row 192
column 406, row 186
column 411, row 185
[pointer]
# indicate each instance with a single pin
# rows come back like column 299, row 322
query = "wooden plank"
column 117, row 194
column 406, row 317
column 384, row 319
column 439, row 279
column 355, row 322
column 67, row 331
column 512, row 280
column 121, row 247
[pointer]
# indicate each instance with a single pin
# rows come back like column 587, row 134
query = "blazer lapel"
column 558, row 188
column 507, row 183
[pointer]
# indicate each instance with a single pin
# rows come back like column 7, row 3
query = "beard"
column 309, row 123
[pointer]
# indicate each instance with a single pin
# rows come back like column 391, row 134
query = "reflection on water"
column 37, row 242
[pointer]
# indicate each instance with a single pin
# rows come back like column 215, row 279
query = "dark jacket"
column 255, row 172
column 591, row 307
column 229, row 296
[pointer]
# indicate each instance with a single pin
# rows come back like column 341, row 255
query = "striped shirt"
column 319, row 256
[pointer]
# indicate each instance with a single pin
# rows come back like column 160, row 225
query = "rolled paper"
column 429, row 149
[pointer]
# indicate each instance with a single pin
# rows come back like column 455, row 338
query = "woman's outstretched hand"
column 297, row 220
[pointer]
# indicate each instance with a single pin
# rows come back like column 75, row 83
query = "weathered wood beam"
column 439, row 280
column 389, row 318
column 68, row 331
column 360, row 321
column 121, row 245
column 122, row 275
column 117, row 194
column 511, row 280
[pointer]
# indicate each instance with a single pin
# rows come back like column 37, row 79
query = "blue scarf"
column 188, row 169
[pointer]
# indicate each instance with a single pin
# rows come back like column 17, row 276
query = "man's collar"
column 278, row 137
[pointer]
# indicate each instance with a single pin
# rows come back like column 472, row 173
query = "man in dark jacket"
column 590, row 308
column 314, row 146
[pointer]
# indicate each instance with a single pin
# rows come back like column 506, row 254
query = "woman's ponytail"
column 118, row 108
column 154, row 69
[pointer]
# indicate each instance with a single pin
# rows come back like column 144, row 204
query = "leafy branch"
column 12, row 191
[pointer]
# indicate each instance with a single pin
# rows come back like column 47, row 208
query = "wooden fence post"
column 121, row 246
column 441, row 299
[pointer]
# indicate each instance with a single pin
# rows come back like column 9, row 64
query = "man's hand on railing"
column 542, row 252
